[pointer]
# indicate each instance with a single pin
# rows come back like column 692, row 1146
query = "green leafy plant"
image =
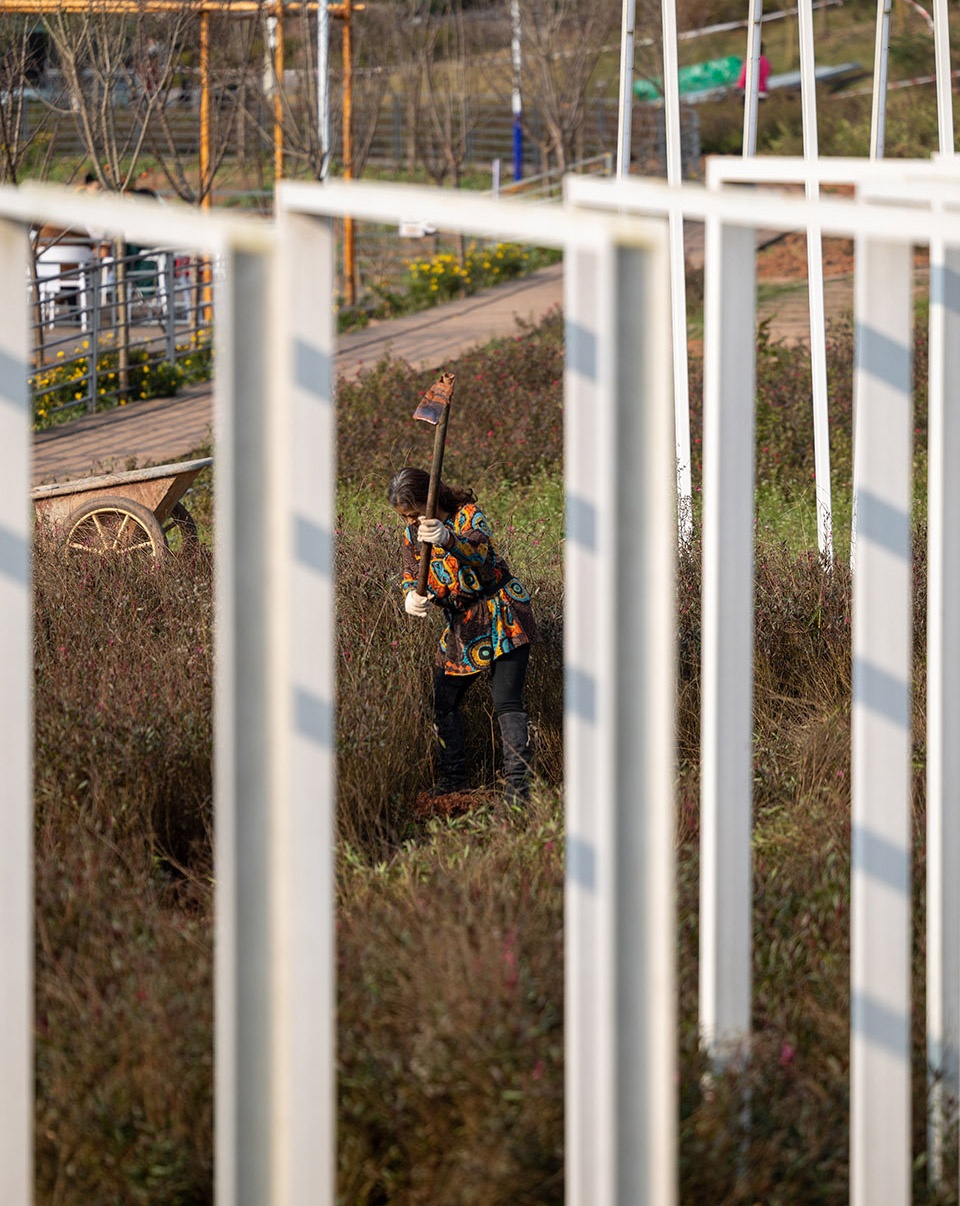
column 443, row 278
column 60, row 390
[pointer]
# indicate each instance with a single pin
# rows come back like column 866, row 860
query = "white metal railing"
column 16, row 782
column 275, row 433
column 274, row 710
column 618, row 732
column 897, row 204
column 927, row 183
column 81, row 332
column 548, row 186
column 244, row 493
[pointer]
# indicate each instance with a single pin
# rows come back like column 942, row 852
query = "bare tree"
column 22, row 50
column 562, row 41
column 100, row 58
column 442, row 52
column 369, row 82
column 407, row 72
column 167, row 93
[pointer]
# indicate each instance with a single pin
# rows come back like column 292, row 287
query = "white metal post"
column 303, row 689
column 881, row 929
column 678, row 278
column 619, row 733
column 625, row 115
column 752, row 80
column 941, row 44
column 881, row 54
column 244, row 839
column 516, row 92
column 729, row 375
column 323, row 86
column 16, row 732
column 818, row 333
column 943, row 700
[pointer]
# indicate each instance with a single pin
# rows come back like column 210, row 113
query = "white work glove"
column 434, row 531
column 415, row 605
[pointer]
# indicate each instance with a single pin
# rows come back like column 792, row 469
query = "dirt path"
column 167, row 429
column 785, row 305
column 782, row 285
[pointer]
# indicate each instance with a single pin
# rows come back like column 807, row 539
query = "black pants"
column 508, row 673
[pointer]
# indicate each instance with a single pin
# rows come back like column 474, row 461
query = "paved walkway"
column 167, row 429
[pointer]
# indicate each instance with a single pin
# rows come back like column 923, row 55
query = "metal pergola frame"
column 671, row 102
column 275, row 668
column 204, row 9
column 925, row 197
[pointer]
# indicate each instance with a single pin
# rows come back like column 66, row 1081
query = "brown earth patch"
column 450, row 804
column 785, row 258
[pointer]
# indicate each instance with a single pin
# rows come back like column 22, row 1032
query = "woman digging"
column 489, row 624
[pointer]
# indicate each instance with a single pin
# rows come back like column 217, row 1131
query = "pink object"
column 764, row 75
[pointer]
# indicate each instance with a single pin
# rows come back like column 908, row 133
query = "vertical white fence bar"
column 303, row 685
column 881, row 758
column 943, row 700
column 818, row 333
column 621, row 1101
column 678, row 276
column 881, row 55
column 625, row 118
column 244, row 726
column 729, row 375
column 16, row 733
column 323, row 88
column 752, row 81
column 941, row 45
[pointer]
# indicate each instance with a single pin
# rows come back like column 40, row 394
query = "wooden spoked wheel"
column 108, row 527
column 180, row 531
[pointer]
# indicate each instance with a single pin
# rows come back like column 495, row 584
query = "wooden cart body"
column 120, row 512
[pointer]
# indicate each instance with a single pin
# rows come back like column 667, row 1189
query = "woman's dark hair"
column 410, row 487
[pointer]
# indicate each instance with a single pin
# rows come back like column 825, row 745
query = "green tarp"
column 699, row 77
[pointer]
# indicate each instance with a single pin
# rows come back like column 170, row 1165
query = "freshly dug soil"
column 452, row 804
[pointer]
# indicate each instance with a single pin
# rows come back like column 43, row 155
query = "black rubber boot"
column 515, row 731
column 451, row 753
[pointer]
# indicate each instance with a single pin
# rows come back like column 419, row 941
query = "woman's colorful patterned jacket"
column 487, row 609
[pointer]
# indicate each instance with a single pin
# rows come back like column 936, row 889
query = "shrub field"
column 450, row 929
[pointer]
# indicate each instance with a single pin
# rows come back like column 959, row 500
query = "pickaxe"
column 434, row 408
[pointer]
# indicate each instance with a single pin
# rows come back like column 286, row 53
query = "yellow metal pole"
column 278, row 99
column 231, row 8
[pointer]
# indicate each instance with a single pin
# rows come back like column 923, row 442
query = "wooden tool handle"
column 426, row 550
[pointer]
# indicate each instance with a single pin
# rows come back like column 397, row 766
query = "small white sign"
column 416, row 230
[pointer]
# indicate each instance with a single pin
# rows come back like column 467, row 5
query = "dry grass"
column 124, row 910
column 450, row 930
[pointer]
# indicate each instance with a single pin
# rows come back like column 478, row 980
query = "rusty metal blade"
column 436, row 400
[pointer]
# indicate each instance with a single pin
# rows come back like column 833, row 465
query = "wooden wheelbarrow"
column 136, row 513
